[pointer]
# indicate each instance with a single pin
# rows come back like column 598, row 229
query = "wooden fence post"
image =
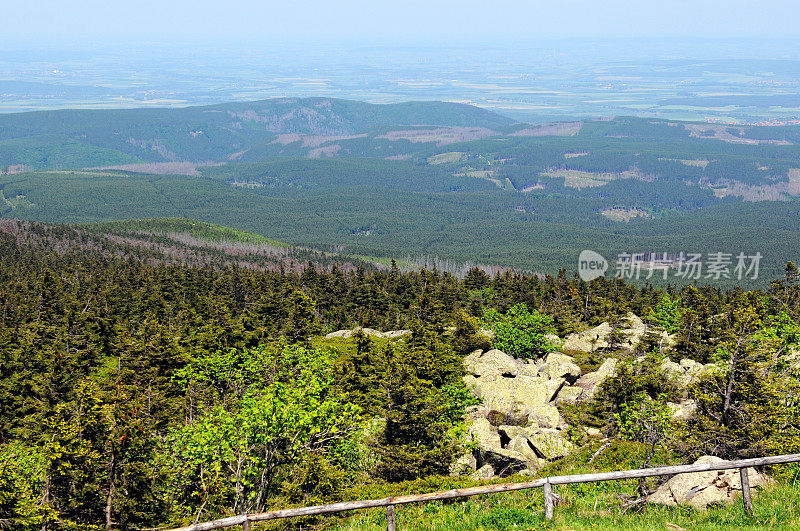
column 748, row 501
column 549, row 502
column 391, row 523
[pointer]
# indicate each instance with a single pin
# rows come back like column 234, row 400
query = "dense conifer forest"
column 139, row 389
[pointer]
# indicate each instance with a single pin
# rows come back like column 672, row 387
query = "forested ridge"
column 380, row 214
column 138, row 393
column 448, row 181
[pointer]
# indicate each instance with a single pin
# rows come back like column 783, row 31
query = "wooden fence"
column 246, row 520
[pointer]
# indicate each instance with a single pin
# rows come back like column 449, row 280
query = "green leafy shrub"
column 521, row 333
column 22, row 478
column 667, row 314
column 241, row 448
column 748, row 406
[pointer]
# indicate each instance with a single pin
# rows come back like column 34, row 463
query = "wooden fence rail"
column 246, row 520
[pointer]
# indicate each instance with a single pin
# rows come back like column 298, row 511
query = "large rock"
column 484, row 472
column 339, row 333
column 522, row 446
column 682, row 410
column 393, row 334
column 590, row 381
column 588, row 340
column 503, row 458
column 634, row 332
column 595, row 338
column 685, row 374
column 545, row 443
column 701, row 489
column 474, row 412
column 530, row 369
column 493, row 363
column 558, row 365
column 671, row 369
column 484, row 434
column 635, row 323
column 522, row 400
column 550, row 444
column 568, row 395
column 545, row 416
column 505, row 461
column 464, row 465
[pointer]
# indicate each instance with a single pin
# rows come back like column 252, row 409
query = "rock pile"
column 517, row 427
column 686, row 372
column 598, row 337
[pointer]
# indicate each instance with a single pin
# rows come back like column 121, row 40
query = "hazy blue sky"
column 162, row 20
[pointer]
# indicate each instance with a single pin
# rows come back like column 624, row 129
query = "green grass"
column 595, row 506
column 777, row 507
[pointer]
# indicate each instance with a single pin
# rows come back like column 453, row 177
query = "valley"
column 446, row 181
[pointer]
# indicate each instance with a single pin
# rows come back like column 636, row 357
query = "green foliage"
column 59, row 151
column 198, row 229
column 644, row 420
column 276, row 189
column 629, row 404
column 489, row 231
column 667, row 314
column 467, row 335
column 421, row 436
column 302, row 322
column 748, row 406
column 314, row 480
column 787, row 330
column 87, row 138
column 647, row 421
column 239, row 447
column 23, row 473
column 521, row 333
column 456, row 398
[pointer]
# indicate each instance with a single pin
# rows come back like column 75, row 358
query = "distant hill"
column 418, row 179
column 217, row 133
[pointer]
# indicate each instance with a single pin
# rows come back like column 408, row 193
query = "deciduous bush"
column 521, row 333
